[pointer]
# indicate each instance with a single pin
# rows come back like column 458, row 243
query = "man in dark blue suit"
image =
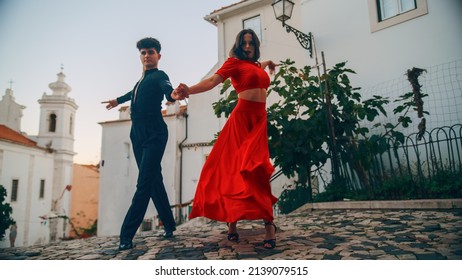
column 149, row 136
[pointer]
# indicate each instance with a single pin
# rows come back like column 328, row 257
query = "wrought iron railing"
column 420, row 159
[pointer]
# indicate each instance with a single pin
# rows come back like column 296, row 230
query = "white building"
column 35, row 170
column 118, row 170
column 379, row 48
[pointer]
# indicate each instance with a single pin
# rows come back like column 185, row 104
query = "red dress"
column 234, row 182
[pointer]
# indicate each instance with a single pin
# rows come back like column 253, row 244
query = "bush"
column 5, row 213
column 335, row 191
column 445, row 184
column 292, row 199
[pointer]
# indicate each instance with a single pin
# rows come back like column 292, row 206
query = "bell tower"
column 57, row 118
column 10, row 111
column 56, row 133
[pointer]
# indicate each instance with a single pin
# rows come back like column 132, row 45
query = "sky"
column 94, row 42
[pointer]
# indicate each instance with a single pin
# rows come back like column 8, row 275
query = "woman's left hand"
column 271, row 66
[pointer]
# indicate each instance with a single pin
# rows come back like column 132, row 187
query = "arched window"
column 52, row 127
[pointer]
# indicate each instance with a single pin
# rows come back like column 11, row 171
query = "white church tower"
column 10, row 111
column 56, row 132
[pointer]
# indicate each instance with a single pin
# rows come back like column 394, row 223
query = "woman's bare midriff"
column 254, row 94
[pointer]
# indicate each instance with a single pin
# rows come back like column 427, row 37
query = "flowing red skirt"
column 235, row 181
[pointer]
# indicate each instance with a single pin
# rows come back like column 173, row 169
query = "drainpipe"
column 181, row 163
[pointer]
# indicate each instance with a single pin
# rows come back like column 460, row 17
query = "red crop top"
column 244, row 74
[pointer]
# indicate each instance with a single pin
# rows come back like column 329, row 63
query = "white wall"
column 29, row 166
column 342, row 31
column 170, row 161
column 202, row 121
column 118, row 172
column 194, row 159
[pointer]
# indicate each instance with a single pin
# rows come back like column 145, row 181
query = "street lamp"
column 283, row 11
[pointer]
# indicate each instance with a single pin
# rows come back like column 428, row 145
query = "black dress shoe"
column 125, row 246
column 168, row 234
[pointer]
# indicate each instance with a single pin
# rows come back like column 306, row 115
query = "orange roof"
column 10, row 135
column 92, row 167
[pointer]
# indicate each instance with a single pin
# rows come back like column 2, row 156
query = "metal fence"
column 441, row 145
column 443, row 85
column 438, row 150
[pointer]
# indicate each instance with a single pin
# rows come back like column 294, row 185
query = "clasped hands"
column 181, row 92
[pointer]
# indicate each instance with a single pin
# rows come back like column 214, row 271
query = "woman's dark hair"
column 148, row 43
column 237, row 51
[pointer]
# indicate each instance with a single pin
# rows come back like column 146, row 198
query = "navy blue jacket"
column 147, row 104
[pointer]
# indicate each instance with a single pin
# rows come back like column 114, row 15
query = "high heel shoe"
column 234, row 236
column 270, row 243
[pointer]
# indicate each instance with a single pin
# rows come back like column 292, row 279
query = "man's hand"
column 176, row 95
column 181, row 92
column 111, row 104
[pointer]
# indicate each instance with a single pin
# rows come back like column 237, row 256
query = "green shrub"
column 292, row 199
column 444, row 184
column 5, row 213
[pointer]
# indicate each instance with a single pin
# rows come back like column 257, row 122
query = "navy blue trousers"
column 149, row 140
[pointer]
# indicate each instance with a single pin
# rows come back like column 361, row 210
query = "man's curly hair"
column 148, row 43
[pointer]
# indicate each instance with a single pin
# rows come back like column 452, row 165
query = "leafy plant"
column 445, row 183
column 5, row 213
column 81, row 231
column 291, row 199
column 91, row 230
column 297, row 127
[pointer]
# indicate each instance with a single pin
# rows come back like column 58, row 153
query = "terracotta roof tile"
column 10, row 135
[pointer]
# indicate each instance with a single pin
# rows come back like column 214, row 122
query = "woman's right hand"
column 183, row 90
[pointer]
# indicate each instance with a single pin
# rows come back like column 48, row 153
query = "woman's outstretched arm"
column 204, row 85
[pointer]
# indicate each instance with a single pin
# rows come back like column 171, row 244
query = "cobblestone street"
column 356, row 234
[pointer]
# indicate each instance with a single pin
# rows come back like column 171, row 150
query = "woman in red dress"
column 235, row 181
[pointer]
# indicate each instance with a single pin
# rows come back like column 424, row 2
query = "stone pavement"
column 306, row 234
